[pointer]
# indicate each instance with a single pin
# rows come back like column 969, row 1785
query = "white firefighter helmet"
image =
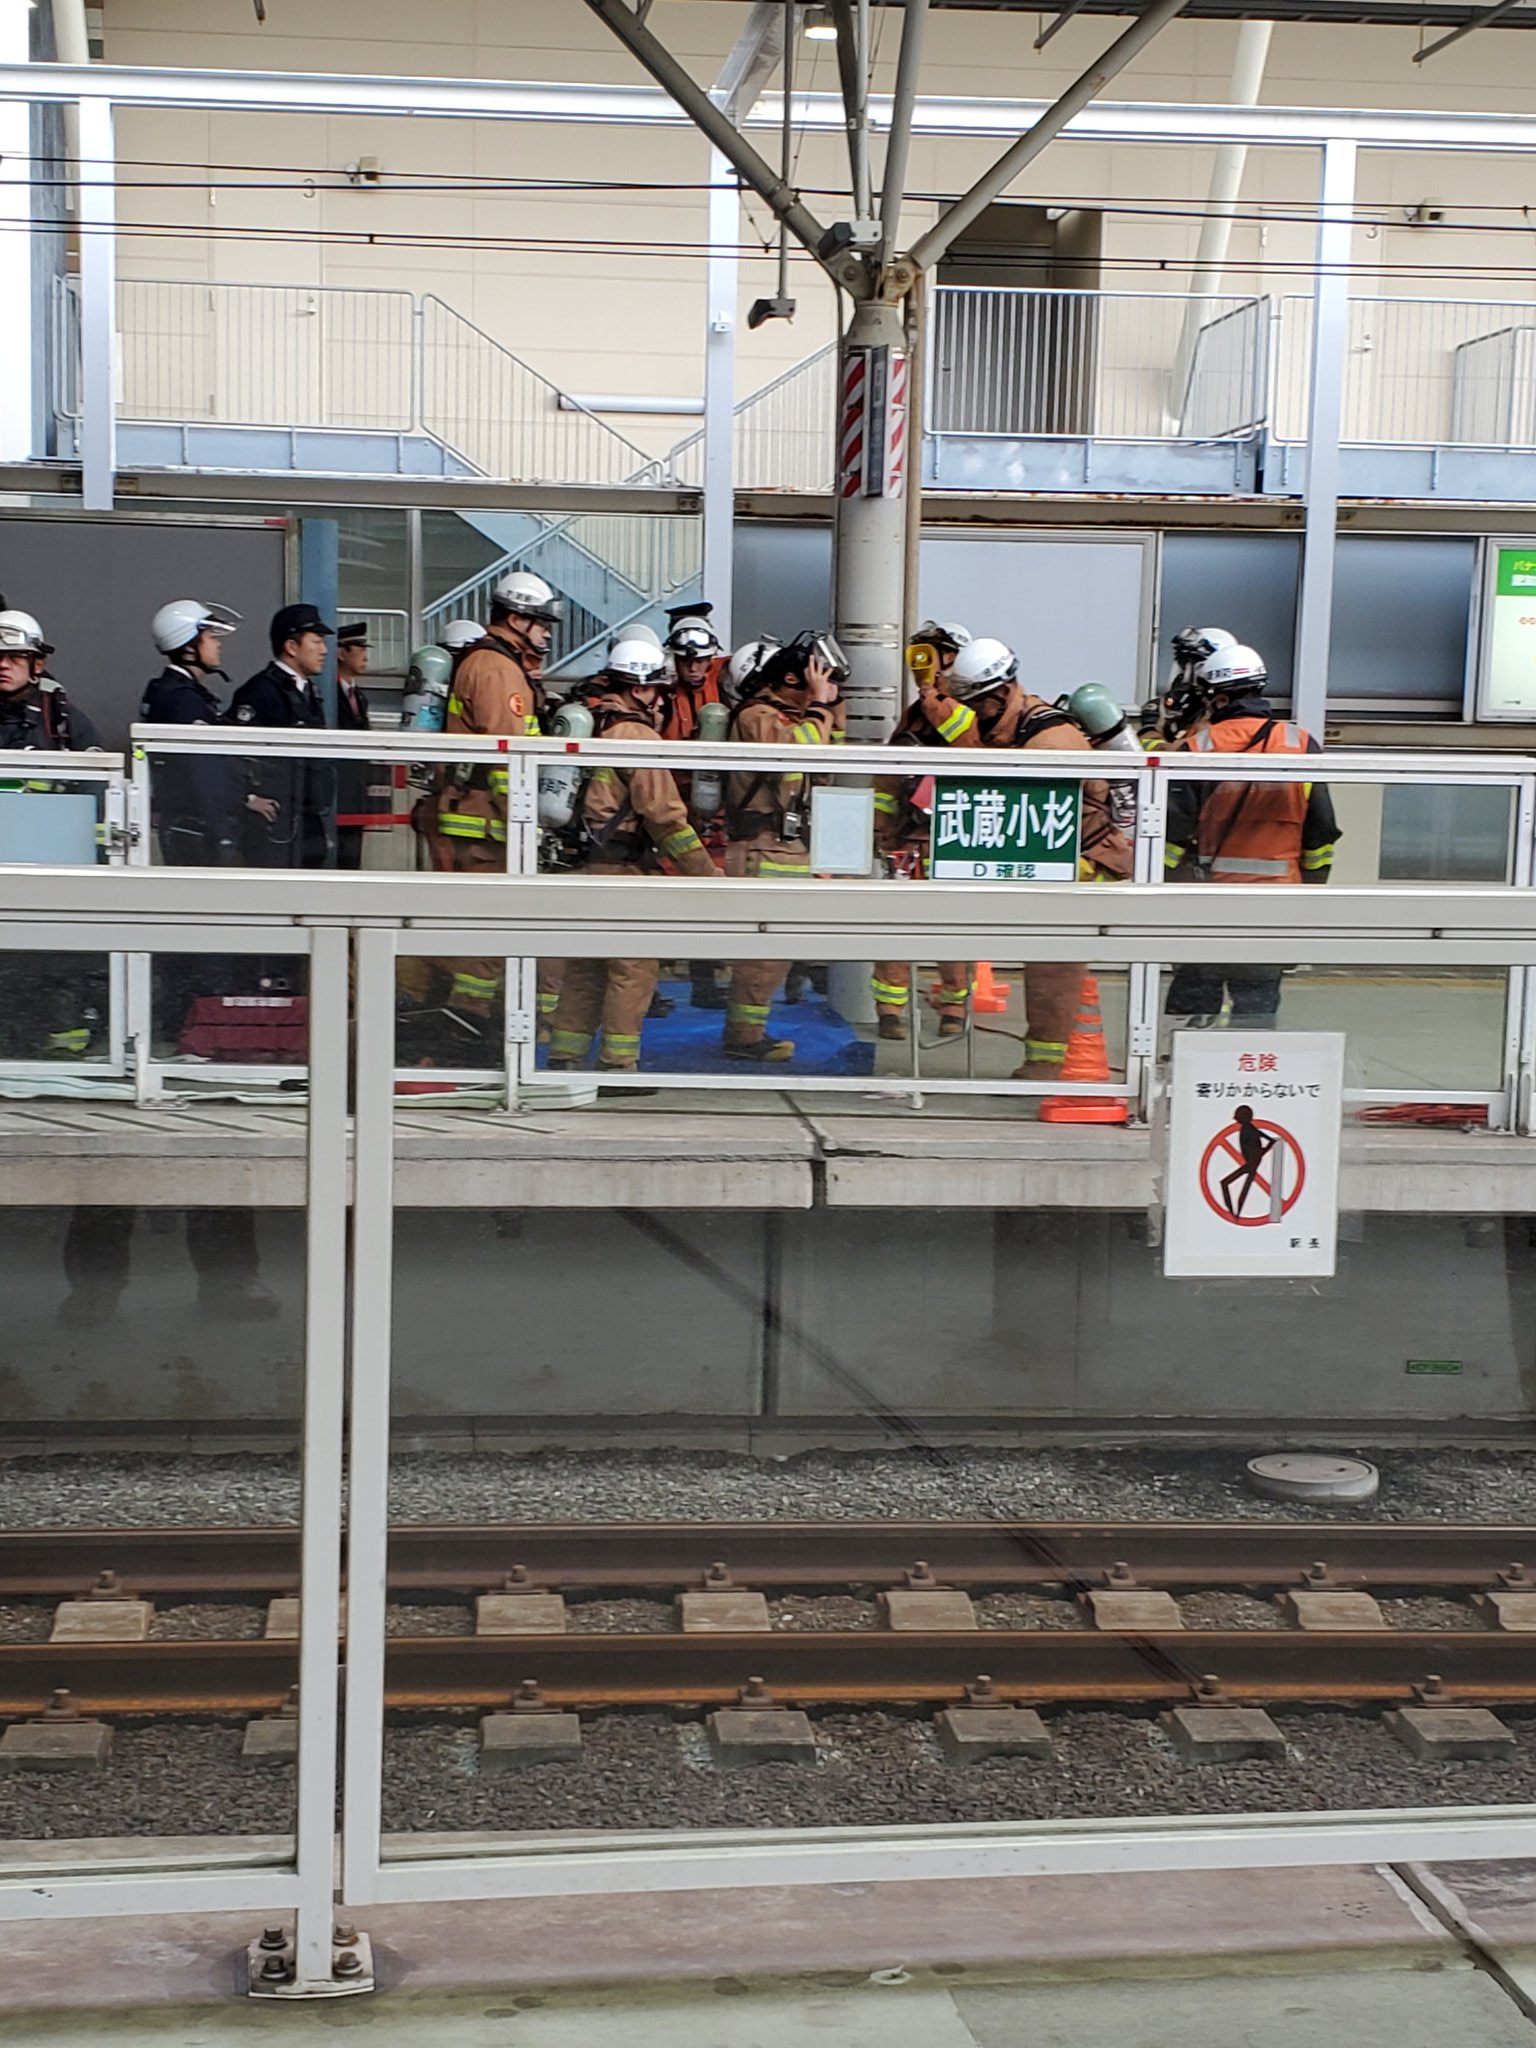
column 178, row 624
column 21, row 634
column 982, row 665
column 527, row 596
column 635, row 631
column 948, row 635
column 1230, row 671
column 693, row 636
column 636, row 661
column 749, row 658
column 1194, row 644
column 461, row 633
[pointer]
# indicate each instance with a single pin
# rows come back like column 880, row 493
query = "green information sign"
column 1005, row 832
column 1447, row 1367
column 1507, row 685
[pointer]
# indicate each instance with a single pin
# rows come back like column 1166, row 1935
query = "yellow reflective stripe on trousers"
column 747, row 1013
column 462, row 825
column 569, row 1045
column 625, row 1043
column 888, row 991
column 1044, row 1049
column 765, row 866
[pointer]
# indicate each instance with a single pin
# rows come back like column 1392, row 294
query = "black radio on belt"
column 792, row 825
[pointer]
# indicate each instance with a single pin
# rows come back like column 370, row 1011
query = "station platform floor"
column 781, row 1151
column 1407, row 1957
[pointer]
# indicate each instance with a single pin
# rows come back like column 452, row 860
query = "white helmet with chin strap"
column 981, row 665
column 526, row 596
column 1231, row 672
column 749, row 658
column 636, row 661
column 178, row 624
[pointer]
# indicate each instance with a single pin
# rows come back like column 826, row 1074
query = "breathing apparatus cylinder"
column 424, row 707
column 707, row 793
column 558, row 781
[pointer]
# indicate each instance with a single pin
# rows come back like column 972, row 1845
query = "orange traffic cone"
column 989, row 997
column 1085, row 1061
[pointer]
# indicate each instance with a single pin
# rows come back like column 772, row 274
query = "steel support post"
column 1330, row 347
column 869, row 513
column 373, row 1251
column 20, row 349
column 720, row 391
column 325, row 1329
column 98, row 305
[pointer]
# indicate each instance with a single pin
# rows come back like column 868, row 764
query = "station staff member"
column 354, row 779
column 296, row 826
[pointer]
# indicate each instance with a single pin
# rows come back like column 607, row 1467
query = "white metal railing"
column 1047, row 363
column 513, row 1064
column 1418, row 372
column 344, row 359
column 782, row 433
column 342, row 922
column 506, row 420
column 389, row 638
column 634, row 561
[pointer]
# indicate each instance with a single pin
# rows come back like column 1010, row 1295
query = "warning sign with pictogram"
column 1251, row 1183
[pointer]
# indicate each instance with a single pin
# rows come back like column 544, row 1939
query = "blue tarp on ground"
column 688, row 1042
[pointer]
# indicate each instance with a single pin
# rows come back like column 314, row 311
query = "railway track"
column 1032, row 1666
column 1104, row 1665
column 591, row 1557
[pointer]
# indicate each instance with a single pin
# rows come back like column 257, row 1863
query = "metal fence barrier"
column 515, row 1074
column 345, row 922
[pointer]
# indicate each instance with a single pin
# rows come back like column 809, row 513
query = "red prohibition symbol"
column 1238, row 1171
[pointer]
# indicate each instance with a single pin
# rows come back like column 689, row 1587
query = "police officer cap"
column 354, row 634
column 293, row 621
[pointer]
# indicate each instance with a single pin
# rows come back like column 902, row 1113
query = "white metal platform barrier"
column 351, row 929
column 1498, row 793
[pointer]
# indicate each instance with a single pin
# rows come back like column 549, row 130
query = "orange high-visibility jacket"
column 1252, row 832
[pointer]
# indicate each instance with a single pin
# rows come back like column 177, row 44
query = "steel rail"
column 1041, row 1666
column 599, row 1556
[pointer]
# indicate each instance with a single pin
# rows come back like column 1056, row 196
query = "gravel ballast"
column 1154, row 1483
column 643, row 1771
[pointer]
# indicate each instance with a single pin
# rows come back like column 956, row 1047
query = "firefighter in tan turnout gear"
column 794, row 694
column 998, row 712
column 902, row 827
column 633, row 819
column 495, row 690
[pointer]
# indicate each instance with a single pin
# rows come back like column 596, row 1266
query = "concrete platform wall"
column 662, row 1320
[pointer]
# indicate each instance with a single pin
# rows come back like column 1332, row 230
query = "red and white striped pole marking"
column 896, row 429
column 852, row 424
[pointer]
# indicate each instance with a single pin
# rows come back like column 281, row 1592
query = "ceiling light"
column 817, row 25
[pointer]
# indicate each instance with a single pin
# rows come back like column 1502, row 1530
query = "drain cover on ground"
column 1311, row 1475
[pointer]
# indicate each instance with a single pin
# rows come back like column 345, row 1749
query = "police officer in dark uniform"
column 49, row 1007
column 301, row 831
